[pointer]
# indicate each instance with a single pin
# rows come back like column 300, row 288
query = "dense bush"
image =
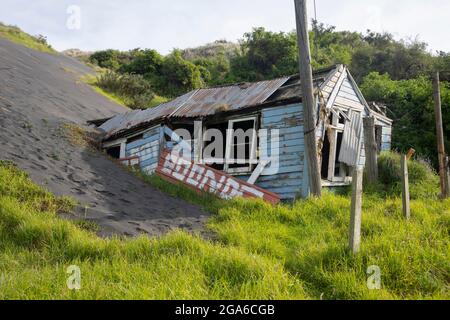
column 423, row 180
column 134, row 89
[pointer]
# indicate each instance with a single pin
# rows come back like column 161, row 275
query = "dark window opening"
column 186, row 132
column 337, row 167
column 325, row 158
column 241, row 150
column 186, row 126
column 114, row 152
column 222, row 127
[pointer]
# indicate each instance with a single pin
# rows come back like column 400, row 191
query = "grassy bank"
column 16, row 35
column 293, row 251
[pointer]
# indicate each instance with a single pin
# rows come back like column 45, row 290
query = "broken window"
column 116, row 149
column 333, row 168
column 214, row 145
column 231, row 146
column 241, row 144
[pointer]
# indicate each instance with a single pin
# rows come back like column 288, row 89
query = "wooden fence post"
column 447, row 170
column 405, row 188
column 355, row 218
column 410, row 154
column 371, row 150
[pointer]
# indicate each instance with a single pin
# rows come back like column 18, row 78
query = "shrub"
column 424, row 183
column 135, row 90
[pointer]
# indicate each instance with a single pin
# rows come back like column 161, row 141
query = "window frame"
column 335, row 127
column 253, row 160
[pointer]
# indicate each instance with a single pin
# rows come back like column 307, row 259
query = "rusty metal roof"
column 197, row 103
column 205, row 102
column 209, row 101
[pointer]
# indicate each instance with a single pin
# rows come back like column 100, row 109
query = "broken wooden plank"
column 405, row 188
column 355, row 219
column 203, row 178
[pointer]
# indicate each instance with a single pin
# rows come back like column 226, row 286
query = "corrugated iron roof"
column 197, row 103
column 209, row 101
column 205, row 102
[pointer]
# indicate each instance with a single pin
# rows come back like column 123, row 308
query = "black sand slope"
column 39, row 92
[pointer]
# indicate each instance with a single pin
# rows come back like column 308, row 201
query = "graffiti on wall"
column 175, row 169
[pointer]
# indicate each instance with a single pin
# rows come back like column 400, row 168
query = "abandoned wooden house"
column 141, row 137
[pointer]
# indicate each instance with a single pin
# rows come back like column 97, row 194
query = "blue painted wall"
column 147, row 149
column 285, row 175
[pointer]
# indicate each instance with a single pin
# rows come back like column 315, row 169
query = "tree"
column 411, row 106
column 143, row 62
column 178, row 75
column 106, row 59
column 265, row 55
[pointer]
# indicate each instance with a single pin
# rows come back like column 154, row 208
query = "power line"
column 316, row 39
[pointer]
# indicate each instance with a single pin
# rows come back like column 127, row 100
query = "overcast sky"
column 164, row 25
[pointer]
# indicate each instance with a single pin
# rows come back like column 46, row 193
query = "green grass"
column 16, row 35
column 296, row 251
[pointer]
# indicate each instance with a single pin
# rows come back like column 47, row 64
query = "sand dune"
column 39, row 93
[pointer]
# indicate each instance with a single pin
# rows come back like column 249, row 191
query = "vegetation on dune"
column 296, row 251
column 133, row 89
column 16, row 35
column 92, row 81
column 127, row 90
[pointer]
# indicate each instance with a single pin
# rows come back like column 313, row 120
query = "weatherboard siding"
column 285, row 175
column 386, row 135
column 386, row 138
column 147, row 149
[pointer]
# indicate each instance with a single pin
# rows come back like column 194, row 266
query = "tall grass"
column 296, row 251
column 16, row 35
column 423, row 180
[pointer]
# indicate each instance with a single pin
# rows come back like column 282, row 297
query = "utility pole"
column 309, row 106
column 440, row 136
